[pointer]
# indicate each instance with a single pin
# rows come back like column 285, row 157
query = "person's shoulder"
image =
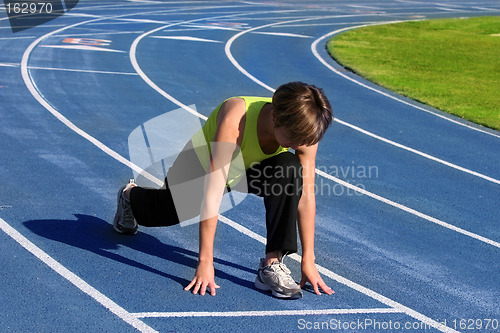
column 233, row 110
column 234, row 104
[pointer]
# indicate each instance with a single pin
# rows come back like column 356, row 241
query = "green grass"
column 451, row 64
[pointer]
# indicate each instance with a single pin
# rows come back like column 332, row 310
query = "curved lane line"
column 23, row 241
column 410, row 210
column 30, row 84
column 356, row 128
column 420, row 153
column 32, row 87
column 355, row 188
column 329, row 66
column 408, row 311
column 78, row 282
column 138, row 69
column 71, row 277
column 351, row 284
column 235, row 63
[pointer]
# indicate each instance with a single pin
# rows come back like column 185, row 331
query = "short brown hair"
column 303, row 110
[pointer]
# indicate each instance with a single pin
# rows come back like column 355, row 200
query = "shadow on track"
column 98, row 236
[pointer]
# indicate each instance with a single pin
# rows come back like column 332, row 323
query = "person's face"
column 283, row 138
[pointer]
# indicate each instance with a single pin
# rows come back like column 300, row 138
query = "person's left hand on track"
column 310, row 274
column 203, row 279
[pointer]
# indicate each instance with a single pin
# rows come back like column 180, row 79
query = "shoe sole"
column 264, row 287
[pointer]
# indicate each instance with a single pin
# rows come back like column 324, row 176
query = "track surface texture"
column 407, row 206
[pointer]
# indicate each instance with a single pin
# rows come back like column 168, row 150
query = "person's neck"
column 265, row 130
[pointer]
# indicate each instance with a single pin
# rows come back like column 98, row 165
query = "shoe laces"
column 279, row 267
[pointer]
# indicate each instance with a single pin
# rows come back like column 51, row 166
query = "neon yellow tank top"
column 250, row 147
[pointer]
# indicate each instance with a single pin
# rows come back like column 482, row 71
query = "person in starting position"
column 262, row 130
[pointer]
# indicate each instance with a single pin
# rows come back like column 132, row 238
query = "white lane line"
column 269, row 313
column 449, row 7
column 451, row 10
column 235, row 225
column 115, row 155
column 284, row 34
column 16, row 38
column 229, row 55
column 484, row 9
column 81, row 70
column 209, row 27
column 146, row 1
column 321, row 24
column 356, row 128
column 45, row 26
column 138, row 69
column 106, row 33
column 82, row 47
column 68, row 69
column 75, row 279
column 351, row 284
column 418, row 152
column 365, row 7
column 188, row 38
column 8, row 64
column 142, row 21
column 409, row 210
column 82, row 285
column 321, row 173
column 314, row 48
column 39, row 97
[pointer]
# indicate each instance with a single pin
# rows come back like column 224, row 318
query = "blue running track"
column 408, row 229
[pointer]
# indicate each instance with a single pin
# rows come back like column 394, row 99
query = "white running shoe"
column 277, row 279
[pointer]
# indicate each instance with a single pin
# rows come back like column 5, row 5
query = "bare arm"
column 306, row 219
column 227, row 136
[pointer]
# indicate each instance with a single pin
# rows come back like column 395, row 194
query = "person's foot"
column 277, row 279
column 124, row 221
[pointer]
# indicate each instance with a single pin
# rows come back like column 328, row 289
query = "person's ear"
column 273, row 116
